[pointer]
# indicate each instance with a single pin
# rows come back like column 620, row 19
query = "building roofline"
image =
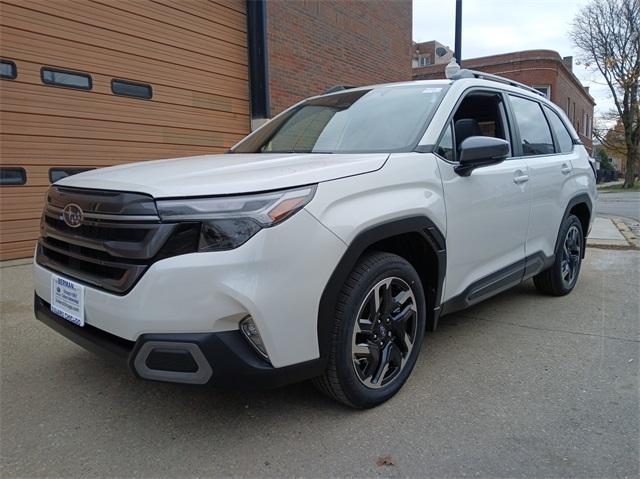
column 522, row 56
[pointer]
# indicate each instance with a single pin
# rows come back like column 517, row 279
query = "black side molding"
column 498, row 282
column 415, row 224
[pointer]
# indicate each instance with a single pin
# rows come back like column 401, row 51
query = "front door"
column 487, row 211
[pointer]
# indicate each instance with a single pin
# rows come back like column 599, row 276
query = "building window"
column 585, row 125
column 65, row 78
column 128, row 88
column 56, row 174
column 8, row 70
column 424, row 61
column 12, row 176
column 568, row 107
column 544, row 89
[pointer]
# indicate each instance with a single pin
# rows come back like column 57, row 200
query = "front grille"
column 120, row 236
column 104, row 233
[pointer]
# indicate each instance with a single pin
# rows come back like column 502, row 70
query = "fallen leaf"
column 385, row 461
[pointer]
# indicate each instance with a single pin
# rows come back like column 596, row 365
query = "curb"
column 10, row 263
column 627, row 242
column 632, row 239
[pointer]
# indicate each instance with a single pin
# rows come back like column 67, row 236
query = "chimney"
column 568, row 61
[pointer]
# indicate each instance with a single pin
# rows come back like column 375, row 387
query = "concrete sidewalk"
column 604, row 233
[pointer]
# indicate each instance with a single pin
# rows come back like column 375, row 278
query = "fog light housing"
column 250, row 331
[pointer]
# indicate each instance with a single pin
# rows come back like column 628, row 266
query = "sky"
column 491, row 27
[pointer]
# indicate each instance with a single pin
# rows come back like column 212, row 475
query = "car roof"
column 464, row 77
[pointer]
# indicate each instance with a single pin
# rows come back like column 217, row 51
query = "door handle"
column 566, row 168
column 520, row 177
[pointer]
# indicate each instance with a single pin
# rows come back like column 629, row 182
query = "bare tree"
column 608, row 34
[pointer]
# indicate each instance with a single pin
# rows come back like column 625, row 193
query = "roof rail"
column 336, row 88
column 464, row 73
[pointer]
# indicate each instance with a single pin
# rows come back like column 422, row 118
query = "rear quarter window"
column 565, row 142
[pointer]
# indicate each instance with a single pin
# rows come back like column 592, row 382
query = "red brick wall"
column 316, row 44
column 534, row 68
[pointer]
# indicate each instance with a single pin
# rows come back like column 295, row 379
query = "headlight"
column 229, row 221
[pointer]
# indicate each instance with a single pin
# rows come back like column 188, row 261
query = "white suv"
column 324, row 244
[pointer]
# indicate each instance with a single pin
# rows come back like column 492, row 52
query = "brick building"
column 87, row 84
column 316, row 44
column 430, row 53
column 544, row 70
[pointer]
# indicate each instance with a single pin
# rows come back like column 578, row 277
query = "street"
column 521, row 385
column 623, row 205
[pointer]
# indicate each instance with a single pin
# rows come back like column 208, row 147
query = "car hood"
column 226, row 173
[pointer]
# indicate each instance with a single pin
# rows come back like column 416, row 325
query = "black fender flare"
column 576, row 200
column 414, row 224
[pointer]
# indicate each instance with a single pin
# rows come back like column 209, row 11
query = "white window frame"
column 547, row 88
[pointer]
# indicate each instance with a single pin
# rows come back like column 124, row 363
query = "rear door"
column 547, row 149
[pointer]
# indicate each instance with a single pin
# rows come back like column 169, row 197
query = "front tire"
column 562, row 276
column 377, row 333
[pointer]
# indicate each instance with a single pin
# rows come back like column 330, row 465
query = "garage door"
column 87, row 84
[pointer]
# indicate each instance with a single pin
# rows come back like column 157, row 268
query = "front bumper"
column 221, row 360
column 277, row 277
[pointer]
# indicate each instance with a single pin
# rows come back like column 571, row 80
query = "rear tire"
column 378, row 329
column 562, row 276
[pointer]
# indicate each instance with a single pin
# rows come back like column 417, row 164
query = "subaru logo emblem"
column 72, row 215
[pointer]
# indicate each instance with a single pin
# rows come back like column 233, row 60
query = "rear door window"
column 535, row 134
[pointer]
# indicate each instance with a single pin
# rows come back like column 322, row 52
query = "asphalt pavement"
column 522, row 385
column 623, row 205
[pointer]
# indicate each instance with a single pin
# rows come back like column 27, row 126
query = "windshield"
column 383, row 119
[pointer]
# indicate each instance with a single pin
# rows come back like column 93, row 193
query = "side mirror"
column 478, row 151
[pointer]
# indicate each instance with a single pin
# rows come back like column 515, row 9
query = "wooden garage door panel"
column 46, row 125
column 215, row 23
column 217, row 40
column 26, row 206
column 22, row 249
column 19, row 230
column 179, row 14
column 43, row 50
column 26, row 150
column 35, row 99
column 30, row 73
column 19, row 194
column 33, row 211
column 236, row 5
column 81, row 34
column 229, row 12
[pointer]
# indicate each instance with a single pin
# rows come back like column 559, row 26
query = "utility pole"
column 458, row 47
